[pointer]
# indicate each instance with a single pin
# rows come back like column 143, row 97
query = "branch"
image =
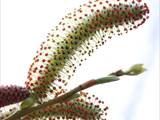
column 136, row 69
column 64, row 97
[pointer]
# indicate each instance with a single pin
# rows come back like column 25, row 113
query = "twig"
column 134, row 70
column 63, row 97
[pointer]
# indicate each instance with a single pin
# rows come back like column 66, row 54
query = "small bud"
column 110, row 78
column 29, row 102
column 135, row 70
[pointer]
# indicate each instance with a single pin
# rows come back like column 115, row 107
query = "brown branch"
column 134, row 70
column 63, row 97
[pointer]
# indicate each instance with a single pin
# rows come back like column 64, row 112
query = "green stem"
column 106, row 79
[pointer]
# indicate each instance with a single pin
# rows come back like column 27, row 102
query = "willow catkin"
column 76, row 36
column 12, row 94
column 85, row 107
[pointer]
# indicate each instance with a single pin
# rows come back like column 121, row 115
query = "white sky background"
column 25, row 24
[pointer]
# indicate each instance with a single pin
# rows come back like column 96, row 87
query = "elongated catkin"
column 76, row 36
column 85, row 107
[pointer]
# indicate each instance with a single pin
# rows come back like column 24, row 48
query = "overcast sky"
column 25, row 24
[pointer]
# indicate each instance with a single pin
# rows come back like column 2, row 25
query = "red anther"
column 40, row 71
column 104, row 7
column 46, row 54
column 110, row 5
column 36, row 83
column 43, row 77
column 80, row 17
column 35, row 68
column 130, row 14
column 30, row 78
column 37, row 60
column 31, row 84
column 89, row 6
column 99, row 101
column 41, row 66
column 63, row 29
column 98, row 10
column 100, row 3
column 133, row 2
column 85, row 14
column 92, row 10
column 139, row 0
column 51, row 91
column 54, row 88
column 38, row 78
column 89, row 97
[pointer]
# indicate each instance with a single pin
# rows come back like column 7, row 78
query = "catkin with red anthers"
column 85, row 107
column 76, row 36
column 12, row 94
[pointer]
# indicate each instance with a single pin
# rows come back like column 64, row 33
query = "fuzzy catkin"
column 85, row 107
column 77, row 36
column 12, row 94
